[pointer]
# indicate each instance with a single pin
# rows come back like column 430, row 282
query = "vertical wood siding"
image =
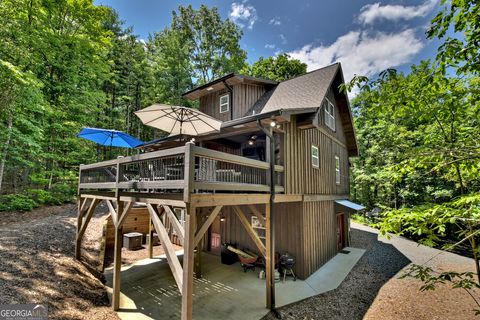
column 244, row 97
column 210, row 104
column 319, row 236
column 288, row 229
column 300, row 176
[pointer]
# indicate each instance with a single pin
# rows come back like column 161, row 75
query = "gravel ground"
column 37, row 264
column 373, row 290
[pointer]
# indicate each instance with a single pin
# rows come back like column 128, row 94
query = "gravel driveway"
column 372, row 290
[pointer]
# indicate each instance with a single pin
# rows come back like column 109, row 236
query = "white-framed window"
column 315, row 158
column 337, row 170
column 224, row 103
column 329, row 111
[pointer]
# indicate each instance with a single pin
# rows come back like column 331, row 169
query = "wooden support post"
column 197, row 269
column 207, row 224
column 175, row 223
column 172, row 258
column 150, row 238
column 188, row 246
column 269, row 259
column 82, row 224
column 117, row 260
column 250, row 231
column 189, row 173
column 113, row 213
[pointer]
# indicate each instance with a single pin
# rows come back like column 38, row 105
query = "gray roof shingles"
column 302, row 92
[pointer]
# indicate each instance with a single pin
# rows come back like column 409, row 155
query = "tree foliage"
column 212, row 44
column 68, row 64
column 458, row 25
column 417, row 136
column 278, row 68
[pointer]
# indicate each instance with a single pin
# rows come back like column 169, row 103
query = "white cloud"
column 275, row 21
column 372, row 12
column 243, row 14
column 269, row 46
column 283, row 38
column 362, row 52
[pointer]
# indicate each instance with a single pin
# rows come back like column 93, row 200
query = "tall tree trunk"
column 5, row 149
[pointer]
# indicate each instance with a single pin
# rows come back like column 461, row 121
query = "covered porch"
column 224, row 291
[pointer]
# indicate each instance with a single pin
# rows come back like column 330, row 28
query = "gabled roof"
column 302, row 92
column 305, row 94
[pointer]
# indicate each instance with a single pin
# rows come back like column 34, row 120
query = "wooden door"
column 340, row 231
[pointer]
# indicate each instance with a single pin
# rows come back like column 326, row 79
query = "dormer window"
column 224, row 103
column 329, row 110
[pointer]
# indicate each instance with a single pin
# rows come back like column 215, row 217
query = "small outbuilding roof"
column 350, row 204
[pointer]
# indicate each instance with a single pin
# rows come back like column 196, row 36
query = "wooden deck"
column 189, row 177
column 188, row 170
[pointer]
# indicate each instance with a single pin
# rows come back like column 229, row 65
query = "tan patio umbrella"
column 178, row 119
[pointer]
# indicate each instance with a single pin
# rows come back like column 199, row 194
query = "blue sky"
column 365, row 36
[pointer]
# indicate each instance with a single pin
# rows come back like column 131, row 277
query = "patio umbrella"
column 178, row 120
column 112, row 138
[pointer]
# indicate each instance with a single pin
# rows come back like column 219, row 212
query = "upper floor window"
column 224, row 103
column 337, row 170
column 315, row 158
column 329, row 110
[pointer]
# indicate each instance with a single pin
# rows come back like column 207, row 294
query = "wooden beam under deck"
column 172, row 258
column 248, row 227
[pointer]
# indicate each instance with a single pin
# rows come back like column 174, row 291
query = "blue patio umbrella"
column 111, row 138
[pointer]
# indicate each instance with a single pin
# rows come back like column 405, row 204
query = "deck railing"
column 189, row 169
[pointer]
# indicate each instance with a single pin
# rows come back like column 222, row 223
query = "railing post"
column 189, row 171
column 117, row 177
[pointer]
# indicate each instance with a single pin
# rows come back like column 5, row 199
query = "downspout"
column 230, row 97
column 269, row 134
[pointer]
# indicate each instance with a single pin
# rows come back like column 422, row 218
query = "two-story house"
column 223, row 182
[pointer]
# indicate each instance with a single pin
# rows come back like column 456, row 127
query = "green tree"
column 417, row 136
column 171, row 67
column 20, row 106
column 278, row 68
column 462, row 50
column 213, row 43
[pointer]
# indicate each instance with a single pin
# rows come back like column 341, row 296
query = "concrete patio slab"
column 148, row 290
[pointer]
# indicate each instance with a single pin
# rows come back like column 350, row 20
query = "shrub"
column 41, row 196
column 63, row 193
column 17, row 202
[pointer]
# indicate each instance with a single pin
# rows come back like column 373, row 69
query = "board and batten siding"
column 319, row 233
column 300, row 176
column 288, row 226
column 244, row 97
column 210, row 104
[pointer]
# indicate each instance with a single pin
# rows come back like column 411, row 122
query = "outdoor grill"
column 287, row 262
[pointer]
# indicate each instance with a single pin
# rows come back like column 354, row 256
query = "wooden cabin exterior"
column 222, row 182
column 315, row 229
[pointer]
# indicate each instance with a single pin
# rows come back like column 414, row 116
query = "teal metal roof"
column 350, row 204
